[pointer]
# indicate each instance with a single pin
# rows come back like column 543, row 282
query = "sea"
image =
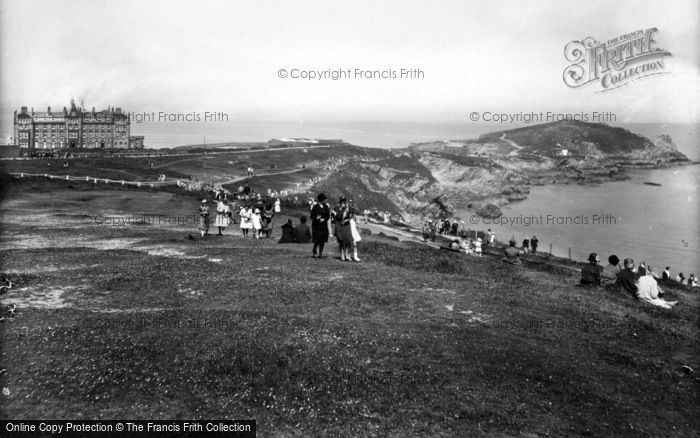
column 657, row 224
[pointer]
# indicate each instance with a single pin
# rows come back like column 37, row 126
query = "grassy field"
column 142, row 321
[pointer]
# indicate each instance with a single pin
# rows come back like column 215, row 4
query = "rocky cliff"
column 435, row 179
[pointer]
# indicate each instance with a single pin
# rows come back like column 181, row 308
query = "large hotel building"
column 74, row 128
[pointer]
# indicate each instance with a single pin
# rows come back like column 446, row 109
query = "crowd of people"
column 641, row 281
column 256, row 217
column 253, row 214
column 340, row 221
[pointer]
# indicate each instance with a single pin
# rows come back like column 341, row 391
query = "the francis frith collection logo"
column 614, row 63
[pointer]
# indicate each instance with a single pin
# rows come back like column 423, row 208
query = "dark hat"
column 592, row 257
column 321, row 197
column 613, row 260
column 342, row 199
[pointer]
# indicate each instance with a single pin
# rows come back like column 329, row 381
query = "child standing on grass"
column 278, row 204
column 204, row 218
column 267, row 216
column 477, row 247
column 246, row 224
column 222, row 216
column 257, row 224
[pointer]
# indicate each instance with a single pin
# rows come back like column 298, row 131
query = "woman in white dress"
column 246, row 223
column 222, row 213
column 278, row 209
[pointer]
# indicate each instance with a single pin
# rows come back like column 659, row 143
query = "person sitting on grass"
column 627, row 279
column 591, row 273
column 302, row 232
column 666, row 276
column 642, row 269
column 287, row 232
column 455, row 244
column 649, row 291
column 512, row 254
column 610, row 271
column 467, row 246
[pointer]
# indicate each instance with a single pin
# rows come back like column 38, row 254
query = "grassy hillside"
column 543, row 139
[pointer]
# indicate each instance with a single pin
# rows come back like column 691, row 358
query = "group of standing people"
column 258, row 217
column 344, row 227
column 255, row 216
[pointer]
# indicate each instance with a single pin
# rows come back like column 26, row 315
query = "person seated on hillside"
column 610, row 271
column 642, row 269
column 591, row 273
column 454, row 244
column 512, row 254
column 648, row 290
column 666, row 276
column 287, row 232
column 467, row 246
column 302, row 232
column 627, row 279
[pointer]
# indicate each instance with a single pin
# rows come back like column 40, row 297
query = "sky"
column 225, row 56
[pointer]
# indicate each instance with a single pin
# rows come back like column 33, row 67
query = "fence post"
column 122, row 182
column 569, row 253
column 550, row 249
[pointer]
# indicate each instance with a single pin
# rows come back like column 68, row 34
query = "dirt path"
column 512, row 143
